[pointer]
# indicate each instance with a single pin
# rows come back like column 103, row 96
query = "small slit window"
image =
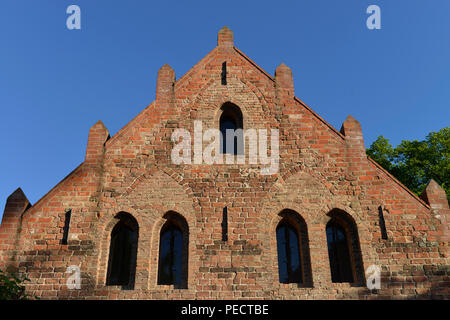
column 224, row 73
column 225, row 224
column 382, row 223
column 67, row 217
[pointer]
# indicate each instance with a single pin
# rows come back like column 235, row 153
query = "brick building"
column 140, row 226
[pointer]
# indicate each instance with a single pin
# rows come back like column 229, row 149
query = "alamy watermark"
column 74, row 281
column 373, row 274
column 234, row 139
column 74, row 20
column 374, row 20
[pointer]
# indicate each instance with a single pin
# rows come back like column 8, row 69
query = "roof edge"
column 48, row 194
column 295, row 98
column 180, row 81
column 320, row 118
column 401, row 185
column 254, row 64
column 128, row 125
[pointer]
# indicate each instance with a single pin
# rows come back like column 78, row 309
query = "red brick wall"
column 321, row 169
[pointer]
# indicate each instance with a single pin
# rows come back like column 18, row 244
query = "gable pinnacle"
column 435, row 195
column 225, row 38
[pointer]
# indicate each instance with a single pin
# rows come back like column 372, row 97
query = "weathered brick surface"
column 321, row 169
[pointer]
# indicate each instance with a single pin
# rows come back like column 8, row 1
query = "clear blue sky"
column 56, row 83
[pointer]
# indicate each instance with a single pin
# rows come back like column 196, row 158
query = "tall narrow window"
column 344, row 251
column 294, row 261
column 123, row 252
column 289, row 263
column 230, row 121
column 339, row 254
column 173, row 246
column 382, row 223
column 224, row 73
column 67, row 218
column 225, row 224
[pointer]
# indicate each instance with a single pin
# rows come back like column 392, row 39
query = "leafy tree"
column 414, row 163
column 11, row 287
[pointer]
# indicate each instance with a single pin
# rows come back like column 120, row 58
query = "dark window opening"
column 123, row 252
column 339, row 253
column 230, row 121
column 173, row 251
column 67, row 218
column 382, row 223
column 225, row 224
column 224, row 73
column 289, row 264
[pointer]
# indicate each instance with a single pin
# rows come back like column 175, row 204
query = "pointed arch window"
column 173, row 246
column 123, row 252
column 294, row 261
column 289, row 264
column 343, row 249
column 231, row 120
column 339, row 253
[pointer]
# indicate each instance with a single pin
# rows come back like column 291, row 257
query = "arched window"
column 173, row 247
column 339, row 254
column 289, row 266
column 231, row 120
column 294, row 264
column 343, row 248
column 123, row 252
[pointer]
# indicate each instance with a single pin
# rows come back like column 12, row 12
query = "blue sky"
column 56, row 83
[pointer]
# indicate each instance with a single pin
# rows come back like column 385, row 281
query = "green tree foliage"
column 12, row 288
column 414, row 163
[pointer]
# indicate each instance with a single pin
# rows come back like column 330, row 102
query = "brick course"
column 320, row 170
